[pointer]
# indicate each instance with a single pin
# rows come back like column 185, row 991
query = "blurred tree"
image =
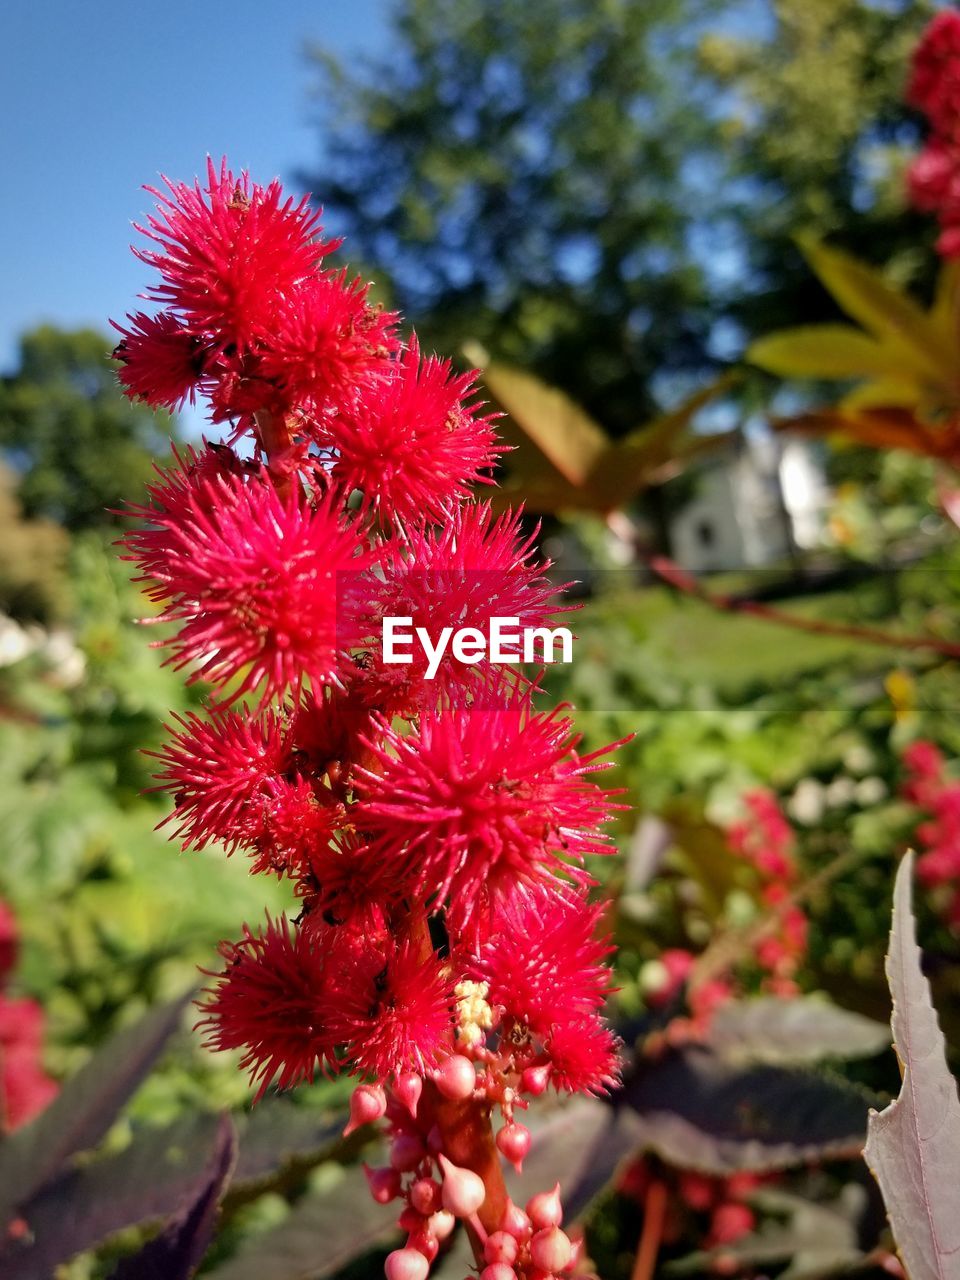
column 817, row 135
column 77, row 444
column 603, row 191
column 33, row 556
column 516, row 169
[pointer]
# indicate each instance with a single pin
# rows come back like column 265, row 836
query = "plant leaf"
column 563, row 432
column 163, row 1173
column 865, row 296
column 278, row 1138
column 792, row 1032
column 85, row 1108
column 913, row 1146
column 823, row 351
column 177, row 1252
column 700, row 1112
column 322, row 1234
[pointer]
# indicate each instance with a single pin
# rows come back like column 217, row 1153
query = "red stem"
column 275, row 441
column 468, row 1141
column 671, row 573
column 654, row 1214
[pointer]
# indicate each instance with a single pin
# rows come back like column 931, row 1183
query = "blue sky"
column 97, row 98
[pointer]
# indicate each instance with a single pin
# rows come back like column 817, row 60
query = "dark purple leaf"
column 177, row 1252
column 322, row 1234
column 160, row 1175
column 699, row 1112
column 84, row 1110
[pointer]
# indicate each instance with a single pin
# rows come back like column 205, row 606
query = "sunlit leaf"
column 913, row 1145
column 822, row 351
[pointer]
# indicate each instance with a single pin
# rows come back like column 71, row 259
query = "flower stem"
column 468, row 1142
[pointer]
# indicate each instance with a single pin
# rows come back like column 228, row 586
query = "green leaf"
column 792, row 1032
column 700, row 1112
column 822, row 351
column 865, row 296
column 913, row 1146
column 280, row 1139
column 84, row 1110
column 567, row 437
column 322, row 1234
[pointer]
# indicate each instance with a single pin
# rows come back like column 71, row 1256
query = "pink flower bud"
column 463, row 1190
column 410, row 1220
column 367, row 1103
column 515, row 1222
column 425, row 1242
column 551, row 1250
column 535, row 1080
column 384, row 1184
column 408, row 1087
column 425, row 1196
column 498, row 1271
column 514, row 1143
column 406, row 1151
column 501, row 1247
column 406, row 1264
column 441, row 1224
column 456, row 1078
column 545, row 1209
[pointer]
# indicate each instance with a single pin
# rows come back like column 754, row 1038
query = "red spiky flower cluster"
column 934, row 89
column 432, row 826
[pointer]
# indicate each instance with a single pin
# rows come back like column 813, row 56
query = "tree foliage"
column 78, row 445
column 605, row 193
column 515, row 169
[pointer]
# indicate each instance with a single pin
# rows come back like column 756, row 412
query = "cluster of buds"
column 436, row 1192
column 720, row 1203
column 25, row 1088
column 929, row 787
column 763, row 838
column 934, row 89
column 432, row 825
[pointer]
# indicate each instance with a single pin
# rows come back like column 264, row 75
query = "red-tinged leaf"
column 700, row 1112
column 178, row 1251
column 84, row 1110
column 323, row 1233
column 913, row 1146
column 888, row 427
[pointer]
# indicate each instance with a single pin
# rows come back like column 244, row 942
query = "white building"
column 753, row 504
